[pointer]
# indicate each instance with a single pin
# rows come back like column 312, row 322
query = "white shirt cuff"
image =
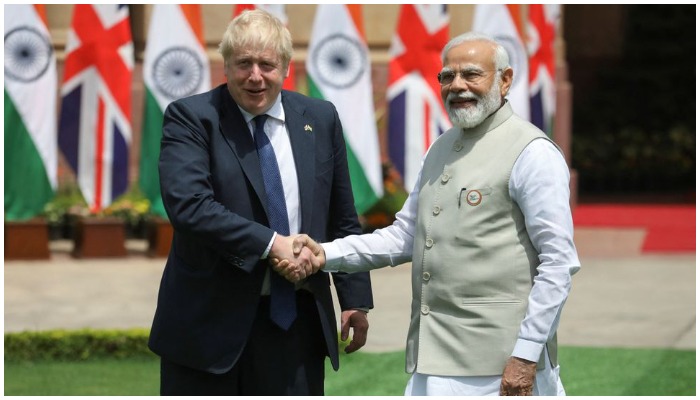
column 333, row 257
column 269, row 246
column 528, row 350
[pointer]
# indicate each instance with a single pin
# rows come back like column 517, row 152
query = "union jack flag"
column 542, row 31
column 416, row 113
column 95, row 123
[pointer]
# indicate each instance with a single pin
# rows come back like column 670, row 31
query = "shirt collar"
column 276, row 111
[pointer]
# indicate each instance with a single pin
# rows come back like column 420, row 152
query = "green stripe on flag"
column 151, row 134
column 364, row 196
column 313, row 89
column 27, row 187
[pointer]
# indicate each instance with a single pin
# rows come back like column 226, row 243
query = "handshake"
column 296, row 258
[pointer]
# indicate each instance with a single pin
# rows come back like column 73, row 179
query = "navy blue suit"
column 213, row 192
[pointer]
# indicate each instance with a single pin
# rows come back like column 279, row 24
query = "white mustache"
column 463, row 96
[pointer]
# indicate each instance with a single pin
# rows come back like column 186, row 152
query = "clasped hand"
column 296, row 258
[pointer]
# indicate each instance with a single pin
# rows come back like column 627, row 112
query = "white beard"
column 472, row 116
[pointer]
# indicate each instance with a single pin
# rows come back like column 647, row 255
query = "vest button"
column 425, row 310
column 436, row 210
column 429, row 243
column 426, row 276
column 445, row 178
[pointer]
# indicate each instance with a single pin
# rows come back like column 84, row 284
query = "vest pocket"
column 489, row 302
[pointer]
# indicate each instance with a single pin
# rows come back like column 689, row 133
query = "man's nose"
column 458, row 84
column 255, row 73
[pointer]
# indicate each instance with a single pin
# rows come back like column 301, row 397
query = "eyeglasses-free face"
column 255, row 76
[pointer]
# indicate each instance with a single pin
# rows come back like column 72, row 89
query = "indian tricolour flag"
column 338, row 68
column 175, row 65
column 30, row 112
column 502, row 22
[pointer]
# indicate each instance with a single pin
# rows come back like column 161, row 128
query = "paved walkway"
column 623, row 300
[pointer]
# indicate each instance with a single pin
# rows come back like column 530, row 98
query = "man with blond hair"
column 242, row 167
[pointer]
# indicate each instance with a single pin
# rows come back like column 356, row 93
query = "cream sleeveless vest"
column 473, row 263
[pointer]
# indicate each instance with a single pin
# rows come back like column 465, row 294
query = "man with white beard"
column 489, row 229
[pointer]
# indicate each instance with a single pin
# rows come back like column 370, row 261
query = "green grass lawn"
column 585, row 371
column 627, row 372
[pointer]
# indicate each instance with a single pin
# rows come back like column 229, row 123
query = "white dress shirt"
column 539, row 184
column 276, row 130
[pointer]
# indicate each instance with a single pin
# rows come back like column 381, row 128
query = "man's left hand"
column 357, row 320
column 518, row 377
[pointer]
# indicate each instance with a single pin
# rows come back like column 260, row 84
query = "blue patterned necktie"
column 283, row 309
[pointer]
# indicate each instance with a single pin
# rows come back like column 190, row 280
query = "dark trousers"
column 273, row 363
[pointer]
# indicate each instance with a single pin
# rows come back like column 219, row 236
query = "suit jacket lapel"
column 302, row 140
column 240, row 139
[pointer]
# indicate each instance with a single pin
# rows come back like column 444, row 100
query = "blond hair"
column 260, row 29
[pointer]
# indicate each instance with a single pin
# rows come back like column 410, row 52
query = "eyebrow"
column 468, row 68
column 473, row 69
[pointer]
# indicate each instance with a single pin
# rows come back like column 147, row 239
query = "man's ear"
column 506, row 81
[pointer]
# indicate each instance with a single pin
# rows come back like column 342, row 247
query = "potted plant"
column 159, row 233
column 103, row 234
column 27, row 240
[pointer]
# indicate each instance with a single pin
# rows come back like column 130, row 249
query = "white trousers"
column 547, row 383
